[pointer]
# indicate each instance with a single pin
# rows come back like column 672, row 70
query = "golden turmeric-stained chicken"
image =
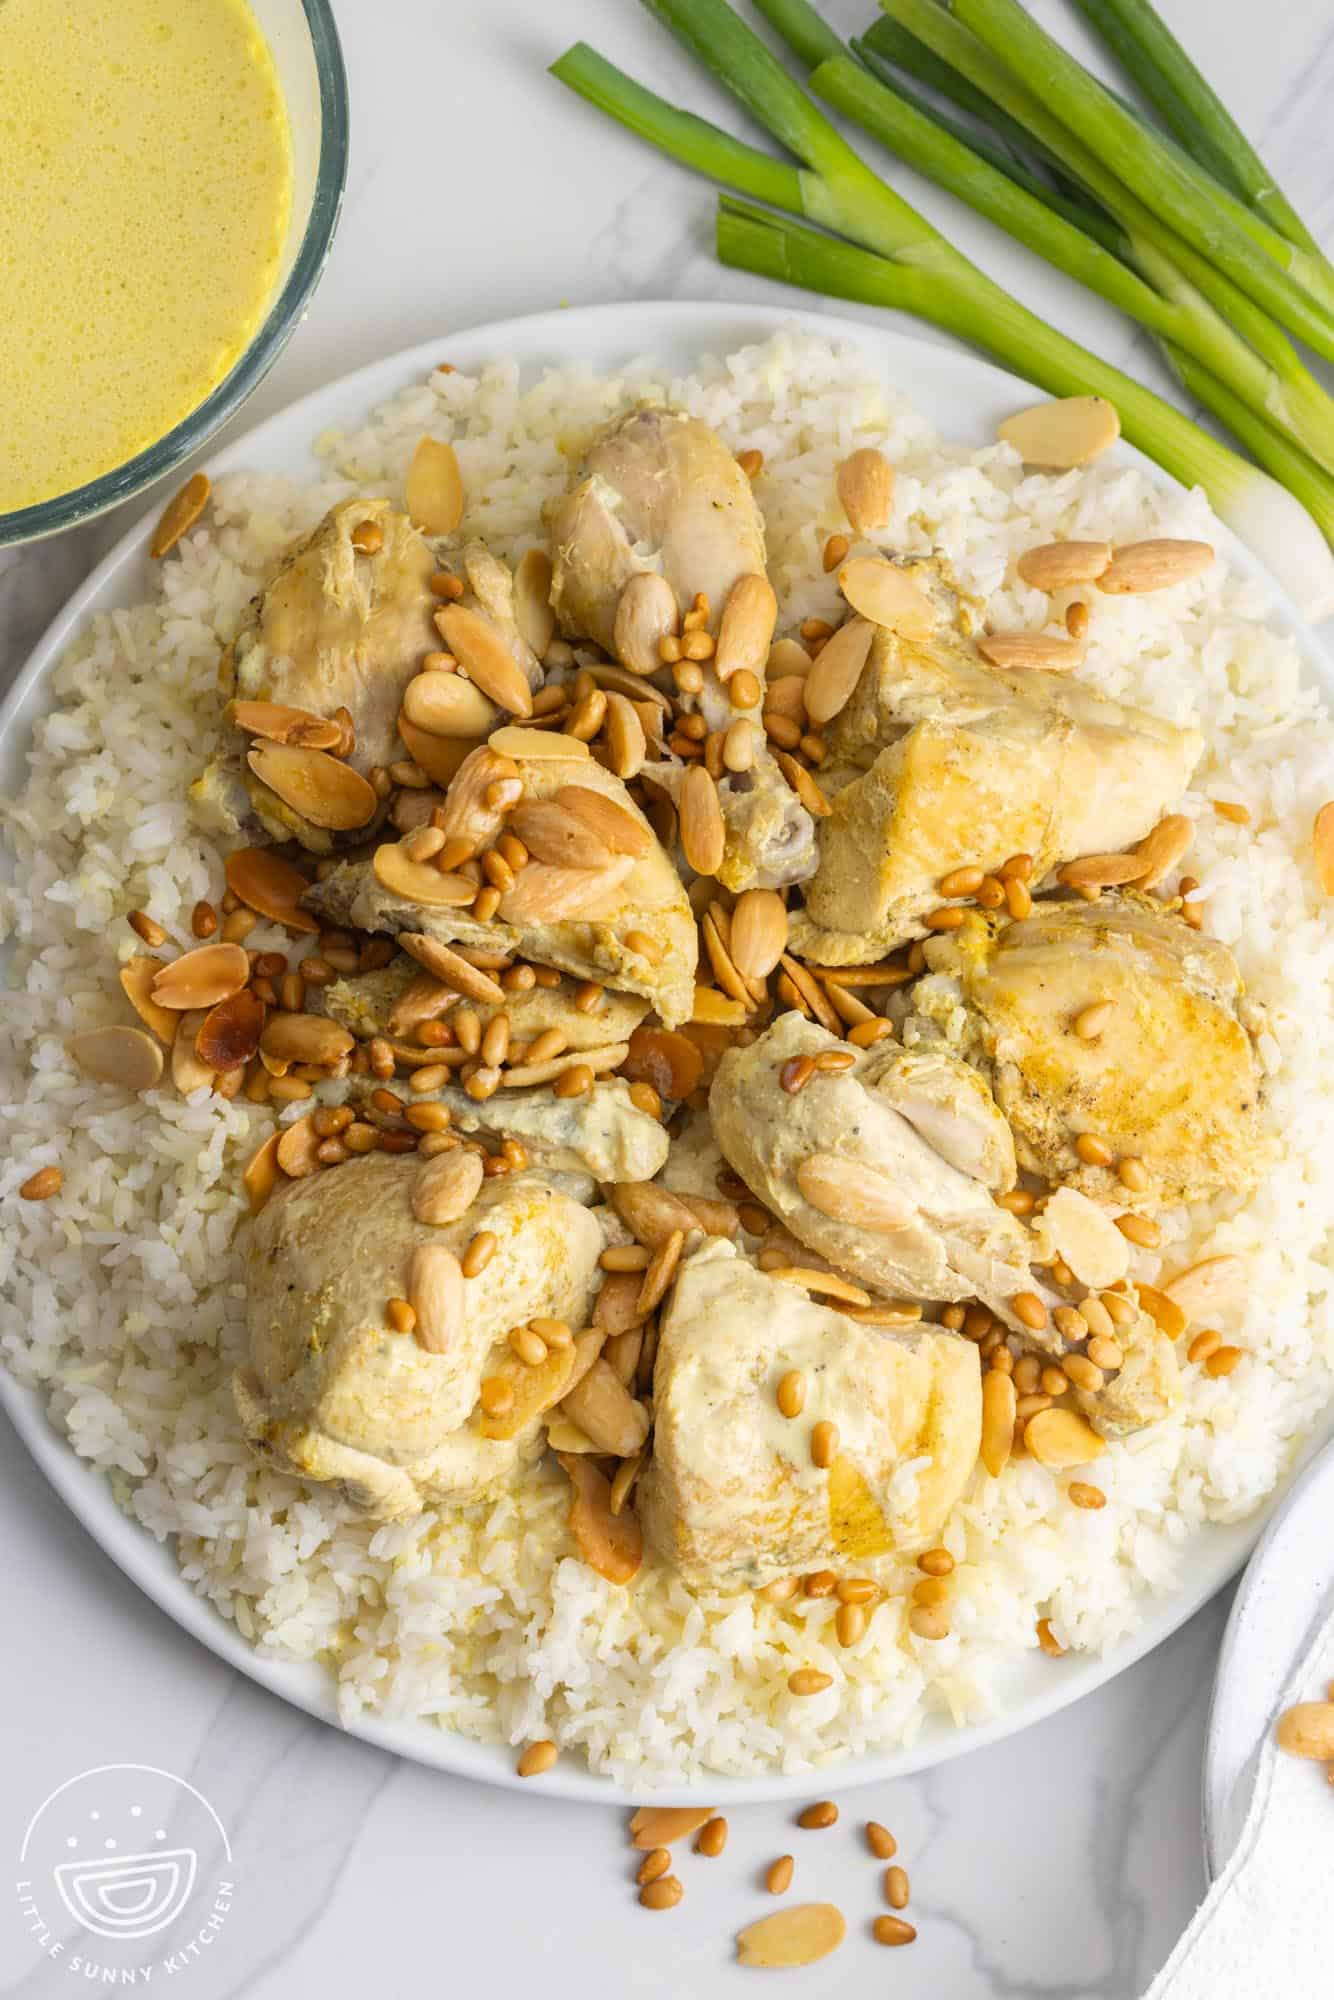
column 884, row 1169
column 939, row 762
column 1169, row 1078
column 601, row 1133
column 732, row 1494
column 332, row 1391
column 399, row 996
column 598, row 897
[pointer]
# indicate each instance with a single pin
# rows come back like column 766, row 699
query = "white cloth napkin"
column 1266, row 1929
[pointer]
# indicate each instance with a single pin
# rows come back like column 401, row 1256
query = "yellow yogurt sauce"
column 145, row 190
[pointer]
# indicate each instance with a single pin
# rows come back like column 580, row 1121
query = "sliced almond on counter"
column 1056, row 565
column 1137, row 567
column 1055, row 436
column 321, row 788
column 831, row 682
column 265, row 882
column 646, row 613
column 659, row 1826
column 180, row 514
column 136, row 977
column 202, row 977
column 452, row 969
column 851, row 1192
column 614, row 824
column 1061, row 1438
column 532, row 600
column 446, row 1188
column 554, row 834
column 798, row 1935
column 419, row 882
column 229, row 1033
column 865, row 484
column 305, row 1038
column 1038, row 652
column 746, row 628
column 888, row 596
column 435, row 487
column 612, row 1544
column 278, row 723
column 479, row 648
column 437, row 1296
column 124, row 1056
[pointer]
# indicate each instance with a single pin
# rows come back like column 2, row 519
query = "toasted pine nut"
column 1088, row 1497
column 401, row 1316
column 1206, row 1342
column 929, row 1621
column 656, row 1862
column 880, row 1841
column 896, row 1888
column 808, row 1680
column 1028, row 1307
column 712, row 1837
column 850, row 1622
column 892, row 1930
column 935, row 1562
column 43, row 1184
column 663, row 1894
column 778, row 1875
column 538, row 1757
column 1092, row 1150
column 1140, row 1229
column 143, row 926
column 823, row 1813
column 479, row 1253
column 1222, row 1361
column 791, row 1396
column 824, row 1445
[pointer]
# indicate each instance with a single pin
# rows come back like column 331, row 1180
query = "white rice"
column 123, row 1295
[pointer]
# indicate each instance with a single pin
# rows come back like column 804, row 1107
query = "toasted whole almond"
column 1056, row 565
column 703, row 831
column 263, row 881
column 229, row 1034
column 746, row 628
column 557, row 836
column 611, row 1544
column 298, row 1150
column 888, row 596
column 1307, row 1730
column 125, row 1056
column 546, row 894
column 1322, row 847
column 798, row 1935
column 532, row 600
column 1071, row 431
column 202, row 977
column 625, row 737
column 452, row 969
column 1137, row 567
column 187, row 1071
column 1206, row 1285
column 262, row 1173
column 832, row 680
column 446, row 1188
column 305, row 1038
column 418, row 881
column 606, row 1412
column 441, row 757
column 646, row 613
column 136, row 977
column 865, row 483
column 467, row 813
column 436, row 1294
column 759, row 932
column 854, row 1193
column 1060, row 1438
column 788, row 657
column 1039, row 652
column 278, row 723
column 512, row 740
column 447, row 705
column 1163, row 846
column 180, row 514
column 650, row 1212
column 479, row 648
column 659, row 1826
column 435, row 487
column 321, row 788
column 614, row 824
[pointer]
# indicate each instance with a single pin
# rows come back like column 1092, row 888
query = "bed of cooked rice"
column 123, row 1297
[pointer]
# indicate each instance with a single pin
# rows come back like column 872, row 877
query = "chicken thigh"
column 940, row 762
column 332, row 1392
column 732, row 1495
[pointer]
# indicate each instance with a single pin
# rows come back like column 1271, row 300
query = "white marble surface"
column 1063, row 1863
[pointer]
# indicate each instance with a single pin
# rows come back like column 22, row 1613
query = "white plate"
column 1286, row 1588
column 965, row 399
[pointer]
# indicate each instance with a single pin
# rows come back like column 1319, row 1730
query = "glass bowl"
column 306, row 53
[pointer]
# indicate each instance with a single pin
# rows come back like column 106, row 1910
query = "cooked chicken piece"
column 1144, row 1390
column 603, row 1134
column 632, row 900
column 862, row 1183
column 1170, row 1077
column 335, row 627
column 364, row 1003
column 731, row 1494
column 490, row 590
column 331, row 1392
column 940, row 762
column 660, row 492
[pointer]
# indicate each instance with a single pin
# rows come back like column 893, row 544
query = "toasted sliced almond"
column 532, row 601
column 321, row 788
column 1167, row 1315
column 703, row 831
column 436, row 1294
column 1038, row 652
column 853, row 1193
column 435, row 487
column 229, row 1033
column 298, row 1150
column 1162, row 847
column 659, row 1826
column 554, row 834
column 1061, row 1438
column 600, row 1061
column 534, row 1389
column 746, row 629
column 422, row 999
column 627, row 743
column 1142, row 566
column 718, row 1010
column 452, row 969
column 263, row 881
column 1322, row 847
column 202, row 977
column 606, row 1412
column 612, row 1544
column 798, row 1935
column 1071, row 431
column 999, row 1399
column 441, row 757
column 1101, row 871
column 614, row 824
column 187, row 1071
column 523, row 744
column 446, row 1188
column 124, row 1056
column 279, row 724
column 137, row 976
column 888, row 596
column 479, row 648
column 646, row 614
column 1056, row 565
column 865, row 483
column 1203, row 1287
column 262, row 1173
column 829, row 685
column 180, row 514
column 759, row 932
column 305, row 1038
column 447, row 705
column 419, row 882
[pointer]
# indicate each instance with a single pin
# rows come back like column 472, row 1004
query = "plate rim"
column 564, row 335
